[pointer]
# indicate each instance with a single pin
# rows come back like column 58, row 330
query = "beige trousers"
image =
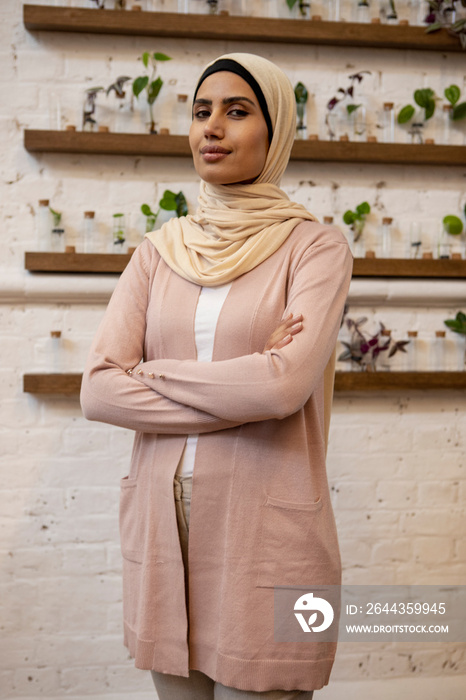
column 199, row 686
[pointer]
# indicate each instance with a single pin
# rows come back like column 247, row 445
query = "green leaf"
column 363, row 208
column 430, row 109
column 433, row 27
column 453, row 225
column 154, row 89
column 181, row 204
column 352, row 108
column 424, row 97
column 139, row 84
column 146, row 210
column 452, row 94
column 291, row 3
column 301, row 94
column 168, row 201
column 406, row 114
column 349, row 217
column 161, row 57
column 459, row 111
column 145, row 58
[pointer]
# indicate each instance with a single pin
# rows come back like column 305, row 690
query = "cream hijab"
column 236, row 227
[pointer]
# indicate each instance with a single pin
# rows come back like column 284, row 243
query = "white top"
column 208, row 309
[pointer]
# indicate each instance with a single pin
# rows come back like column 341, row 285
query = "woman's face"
column 228, row 136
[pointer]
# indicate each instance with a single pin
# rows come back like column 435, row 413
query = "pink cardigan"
column 260, row 511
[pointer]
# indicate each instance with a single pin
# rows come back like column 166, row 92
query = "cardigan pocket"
column 130, row 526
column 291, row 542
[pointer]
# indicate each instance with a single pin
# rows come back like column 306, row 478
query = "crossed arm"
column 109, row 394
column 188, row 397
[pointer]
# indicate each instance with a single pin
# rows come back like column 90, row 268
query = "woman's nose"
column 214, row 126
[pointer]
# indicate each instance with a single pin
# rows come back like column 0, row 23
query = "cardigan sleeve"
column 108, row 393
column 276, row 383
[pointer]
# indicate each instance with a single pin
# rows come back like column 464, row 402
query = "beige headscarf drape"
column 236, row 227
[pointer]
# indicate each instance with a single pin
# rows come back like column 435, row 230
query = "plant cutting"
column 117, row 86
column 451, row 226
column 169, row 202
column 343, row 94
column 388, row 11
column 90, row 107
column 119, row 236
column 458, row 325
column 122, row 109
column 301, row 97
column 453, row 94
column 442, row 15
column 304, row 7
column 364, row 350
column 356, row 219
column 425, row 99
column 150, row 84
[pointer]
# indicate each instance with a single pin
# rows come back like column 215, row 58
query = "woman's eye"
column 239, row 112
column 202, row 114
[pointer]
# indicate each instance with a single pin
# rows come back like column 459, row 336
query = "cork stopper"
column 370, row 253
column 403, row 22
column 55, row 334
column 44, row 202
column 313, row 137
column 344, row 137
column 70, row 127
column 388, row 105
column 447, row 108
column 375, row 20
column 456, row 256
column 386, row 332
column 164, row 131
column 440, row 334
column 427, row 256
column 182, row 98
column 102, row 129
column 387, row 220
column 89, row 214
column 70, row 249
column 224, row 13
column 328, row 219
column 136, row 8
column 316, row 18
column 430, row 141
column 372, row 139
column 412, row 334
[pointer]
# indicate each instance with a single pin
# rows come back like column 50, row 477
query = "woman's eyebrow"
column 225, row 101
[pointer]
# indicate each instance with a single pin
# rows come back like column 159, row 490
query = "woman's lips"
column 212, row 154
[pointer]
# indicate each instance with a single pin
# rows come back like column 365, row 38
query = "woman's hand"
column 284, row 332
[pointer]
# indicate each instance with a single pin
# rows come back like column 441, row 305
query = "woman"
column 235, row 312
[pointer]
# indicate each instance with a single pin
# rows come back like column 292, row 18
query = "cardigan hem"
column 258, row 675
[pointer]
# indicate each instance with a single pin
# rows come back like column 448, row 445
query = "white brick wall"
column 396, row 462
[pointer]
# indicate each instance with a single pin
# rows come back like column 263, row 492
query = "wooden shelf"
column 113, row 263
column 399, row 267
column 106, row 263
column 52, row 383
column 42, row 383
column 398, row 381
column 48, row 141
column 220, row 27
